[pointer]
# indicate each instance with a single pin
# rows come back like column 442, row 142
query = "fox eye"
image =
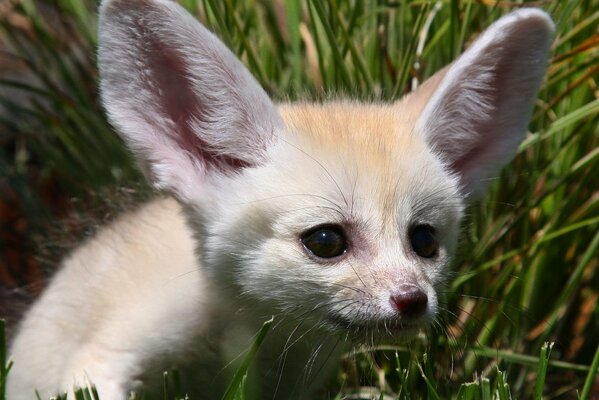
column 423, row 241
column 325, row 241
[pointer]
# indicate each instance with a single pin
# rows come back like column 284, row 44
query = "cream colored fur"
column 186, row 283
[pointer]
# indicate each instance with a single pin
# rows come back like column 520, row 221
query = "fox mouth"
column 394, row 328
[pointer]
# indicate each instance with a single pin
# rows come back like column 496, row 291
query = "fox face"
column 345, row 214
column 350, row 222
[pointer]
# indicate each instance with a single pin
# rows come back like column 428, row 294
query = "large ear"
column 183, row 102
column 475, row 112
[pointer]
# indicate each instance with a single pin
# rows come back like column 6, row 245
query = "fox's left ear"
column 184, row 104
column 479, row 106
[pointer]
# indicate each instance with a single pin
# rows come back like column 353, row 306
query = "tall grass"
column 527, row 267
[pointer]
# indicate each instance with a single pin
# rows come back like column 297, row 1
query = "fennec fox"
column 337, row 218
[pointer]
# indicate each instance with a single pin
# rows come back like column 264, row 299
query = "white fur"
column 188, row 284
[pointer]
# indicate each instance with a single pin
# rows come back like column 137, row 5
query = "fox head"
column 345, row 212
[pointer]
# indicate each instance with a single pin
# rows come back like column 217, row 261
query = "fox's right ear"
column 474, row 113
column 182, row 101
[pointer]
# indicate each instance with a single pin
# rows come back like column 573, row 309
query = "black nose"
column 409, row 300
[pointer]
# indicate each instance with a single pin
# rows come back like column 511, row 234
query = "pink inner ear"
column 177, row 102
column 486, row 156
column 498, row 129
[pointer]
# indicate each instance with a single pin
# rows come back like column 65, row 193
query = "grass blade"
column 236, row 385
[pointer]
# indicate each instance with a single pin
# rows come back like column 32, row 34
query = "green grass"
column 527, row 269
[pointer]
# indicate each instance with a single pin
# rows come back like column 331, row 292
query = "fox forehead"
column 378, row 132
column 362, row 160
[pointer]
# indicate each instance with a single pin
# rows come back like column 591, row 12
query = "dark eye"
column 325, row 241
column 422, row 238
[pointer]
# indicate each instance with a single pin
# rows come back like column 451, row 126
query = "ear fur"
column 182, row 101
column 478, row 108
